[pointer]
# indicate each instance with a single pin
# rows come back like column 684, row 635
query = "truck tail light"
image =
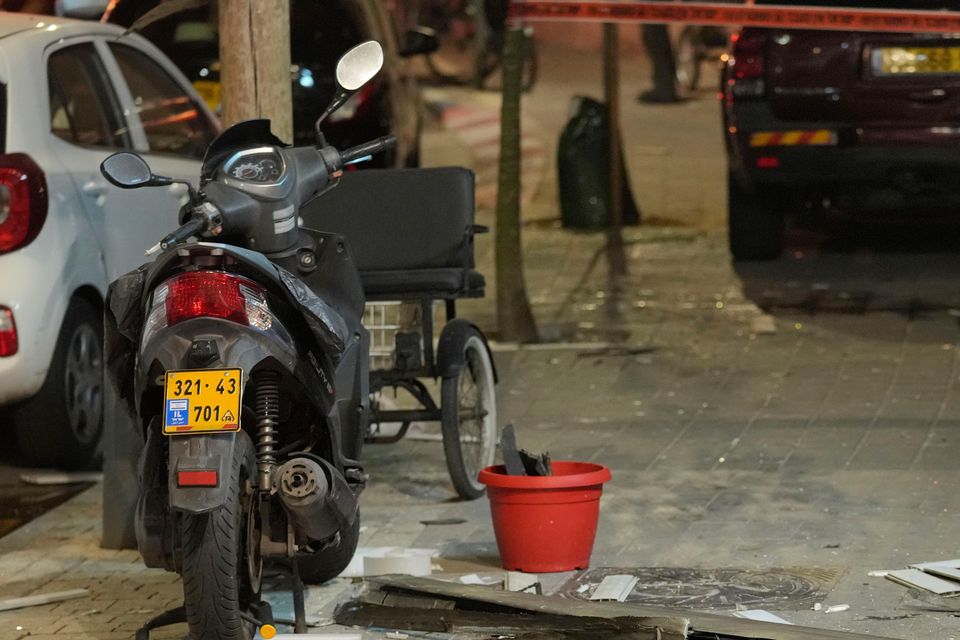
column 8, row 333
column 208, row 294
column 746, row 65
column 23, row 201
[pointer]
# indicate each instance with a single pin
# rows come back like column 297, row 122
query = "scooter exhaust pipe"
column 316, row 497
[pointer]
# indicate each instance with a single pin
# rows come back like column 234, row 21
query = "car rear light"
column 746, row 65
column 8, row 333
column 23, row 201
column 208, row 294
column 204, row 478
column 768, row 162
column 355, row 105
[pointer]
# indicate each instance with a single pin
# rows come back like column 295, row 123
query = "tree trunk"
column 513, row 309
column 255, row 63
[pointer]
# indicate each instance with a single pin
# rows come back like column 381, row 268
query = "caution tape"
column 775, row 16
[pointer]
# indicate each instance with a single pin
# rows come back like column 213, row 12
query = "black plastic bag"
column 583, row 172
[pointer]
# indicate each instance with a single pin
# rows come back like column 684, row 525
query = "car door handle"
column 931, row 95
column 95, row 189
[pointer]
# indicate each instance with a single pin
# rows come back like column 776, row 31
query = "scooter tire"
column 216, row 589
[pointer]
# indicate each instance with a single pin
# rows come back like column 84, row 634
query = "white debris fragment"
column 615, row 588
column 881, row 573
column 817, row 607
column 518, row 581
column 760, row 615
column 356, row 568
column 56, row 477
column 41, row 598
column 583, row 588
column 763, row 325
column 837, row 608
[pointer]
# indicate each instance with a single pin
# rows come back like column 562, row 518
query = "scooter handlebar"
column 368, row 148
column 191, row 228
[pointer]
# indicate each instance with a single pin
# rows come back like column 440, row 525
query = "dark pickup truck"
column 861, row 123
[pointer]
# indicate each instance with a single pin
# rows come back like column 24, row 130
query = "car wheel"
column 756, row 224
column 62, row 424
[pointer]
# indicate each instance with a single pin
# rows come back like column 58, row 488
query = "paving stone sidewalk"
column 803, row 413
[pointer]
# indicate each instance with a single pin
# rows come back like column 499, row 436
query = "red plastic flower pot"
column 545, row 524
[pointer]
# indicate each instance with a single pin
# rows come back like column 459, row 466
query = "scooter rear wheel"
column 216, row 586
column 468, row 411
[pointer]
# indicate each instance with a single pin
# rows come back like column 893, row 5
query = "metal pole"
column 611, row 91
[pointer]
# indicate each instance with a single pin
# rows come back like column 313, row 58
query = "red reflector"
column 8, row 333
column 23, row 201
column 208, row 294
column 768, row 162
column 197, row 478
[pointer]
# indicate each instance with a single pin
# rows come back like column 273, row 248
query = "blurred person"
column 656, row 40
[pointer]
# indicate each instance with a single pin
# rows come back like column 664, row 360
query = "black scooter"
column 250, row 371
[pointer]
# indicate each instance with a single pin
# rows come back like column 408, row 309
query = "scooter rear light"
column 8, row 333
column 206, row 294
column 215, row 294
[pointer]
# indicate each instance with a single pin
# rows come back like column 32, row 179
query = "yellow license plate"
column 201, row 401
column 209, row 90
column 918, row 60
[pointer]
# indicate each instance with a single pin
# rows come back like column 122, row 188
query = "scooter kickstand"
column 299, row 610
column 260, row 614
column 165, row 619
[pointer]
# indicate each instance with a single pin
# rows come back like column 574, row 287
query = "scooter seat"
column 423, row 283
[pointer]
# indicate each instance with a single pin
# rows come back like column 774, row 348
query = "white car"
column 72, row 93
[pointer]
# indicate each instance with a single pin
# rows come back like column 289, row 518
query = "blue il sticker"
column 178, row 412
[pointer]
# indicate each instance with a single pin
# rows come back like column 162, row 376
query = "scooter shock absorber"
column 268, row 415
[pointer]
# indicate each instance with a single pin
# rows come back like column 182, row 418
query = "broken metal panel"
column 519, row 624
column 673, row 623
column 789, row 588
column 921, row 580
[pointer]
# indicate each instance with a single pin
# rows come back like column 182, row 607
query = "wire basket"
column 383, row 320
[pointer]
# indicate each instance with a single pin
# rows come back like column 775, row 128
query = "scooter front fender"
column 212, row 452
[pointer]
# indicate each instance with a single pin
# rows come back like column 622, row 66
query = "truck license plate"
column 201, row 400
column 898, row 61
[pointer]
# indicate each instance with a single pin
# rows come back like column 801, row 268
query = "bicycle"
column 696, row 45
column 471, row 43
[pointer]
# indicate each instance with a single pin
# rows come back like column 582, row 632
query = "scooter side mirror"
column 419, row 41
column 356, row 67
column 129, row 171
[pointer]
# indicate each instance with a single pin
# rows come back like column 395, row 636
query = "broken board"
column 673, row 622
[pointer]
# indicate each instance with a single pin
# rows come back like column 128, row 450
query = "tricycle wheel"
column 468, row 410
